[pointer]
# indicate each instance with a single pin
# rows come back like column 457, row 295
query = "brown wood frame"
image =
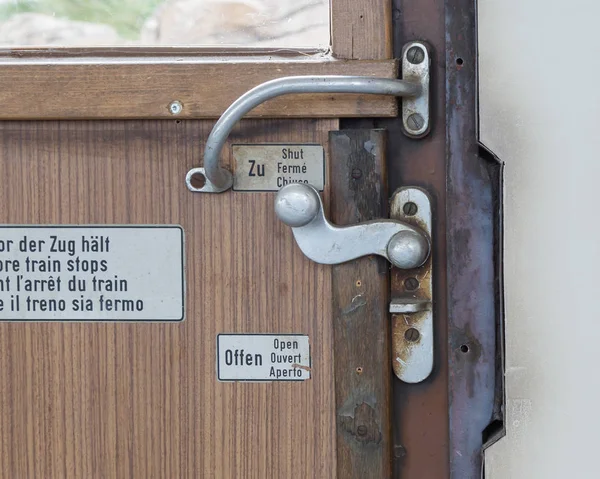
column 100, row 83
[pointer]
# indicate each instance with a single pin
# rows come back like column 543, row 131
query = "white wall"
column 540, row 112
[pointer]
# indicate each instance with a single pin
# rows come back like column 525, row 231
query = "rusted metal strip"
column 360, row 300
column 472, row 267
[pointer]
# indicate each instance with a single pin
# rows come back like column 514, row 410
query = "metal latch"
column 404, row 240
column 299, row 205
column 414, row 87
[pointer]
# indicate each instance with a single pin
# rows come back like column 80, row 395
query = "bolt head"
column 408, row 249
column 415, row 55
column 175, row 108
column 297, row 204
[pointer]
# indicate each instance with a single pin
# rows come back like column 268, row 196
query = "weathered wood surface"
column 122, row 88
column 361, row 29
column 363, row 375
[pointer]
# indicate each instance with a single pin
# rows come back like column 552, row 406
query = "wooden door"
column 94, row 142
column 142, row 399
column 88, row 137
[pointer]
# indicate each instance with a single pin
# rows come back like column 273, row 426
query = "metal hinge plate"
column 412, row 311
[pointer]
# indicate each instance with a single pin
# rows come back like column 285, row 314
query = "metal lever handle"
column 299, row 205
column 219, row 179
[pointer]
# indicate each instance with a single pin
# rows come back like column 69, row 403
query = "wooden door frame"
column 442, row 425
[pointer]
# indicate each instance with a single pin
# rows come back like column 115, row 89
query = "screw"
column 412, row 335
column 411, row 283
column 410, row 208
column 175, row 107
column 356, row 173
column 415, row 55
column 399, row 452
column 415, row 122
column 361, row 430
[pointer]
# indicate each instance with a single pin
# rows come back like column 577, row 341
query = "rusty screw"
column 415, row 122
column 399, row 452
column 410, row 208
column 411, row 283
column 361, row 430
column 415, row 55
column 356, row 173
column 412, row 335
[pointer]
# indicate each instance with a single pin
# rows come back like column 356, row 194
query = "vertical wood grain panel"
column 141, row 400
column 363, row 376
column 361, row 30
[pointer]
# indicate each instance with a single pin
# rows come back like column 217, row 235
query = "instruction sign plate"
column 91, row 273
column 270, row 167
column 263, row 357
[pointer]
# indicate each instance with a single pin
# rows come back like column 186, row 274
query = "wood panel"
column 361, row 29
column 85, row 400
column 363, row 376
column 125, row 87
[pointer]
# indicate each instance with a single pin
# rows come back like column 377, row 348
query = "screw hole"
column 198, row 180
column 464, row 348
column 361, row 17
column 459, row 62
column 359, row 283
column 178, row 121
column 359, row 370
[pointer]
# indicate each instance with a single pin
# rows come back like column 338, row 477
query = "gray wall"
column 540, row 112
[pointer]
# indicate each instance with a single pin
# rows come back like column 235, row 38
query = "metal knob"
column 299, row 205
column 408, row 249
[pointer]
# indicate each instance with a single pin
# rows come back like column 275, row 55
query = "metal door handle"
column 299, row 205
column 415, row 114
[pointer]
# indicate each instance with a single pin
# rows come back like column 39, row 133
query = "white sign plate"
column 270, row 167
column 91, row 273
column 263, row 357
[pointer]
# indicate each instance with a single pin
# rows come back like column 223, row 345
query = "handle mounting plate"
column 412, row 311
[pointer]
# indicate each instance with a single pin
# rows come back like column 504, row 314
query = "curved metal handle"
column 299, row 205
column 219, row 179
